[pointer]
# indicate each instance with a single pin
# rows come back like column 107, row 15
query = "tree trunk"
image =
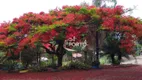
column 60, row 52
column 60, row 59
column 119, row 58
column 52, row 57
column 113, row 59
column 39, row 60
column 85, row 56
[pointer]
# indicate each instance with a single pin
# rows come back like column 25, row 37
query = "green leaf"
column 78, row 48
column 92, row 11
column 43, row 28
column 11, row 28
column 70, row 10
column 83, row 11
column 69, row 53
column 95, row 16
column 52, row 27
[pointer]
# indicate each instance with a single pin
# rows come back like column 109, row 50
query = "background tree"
column 104, row 3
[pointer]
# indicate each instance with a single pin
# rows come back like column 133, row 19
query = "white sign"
column 71, row 42
column 75, row 55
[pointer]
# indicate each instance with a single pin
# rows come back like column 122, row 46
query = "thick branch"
column 49, row 51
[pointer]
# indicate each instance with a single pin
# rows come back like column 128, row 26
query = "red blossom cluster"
column 70, row 21
column 131, row 28
column 127, row 43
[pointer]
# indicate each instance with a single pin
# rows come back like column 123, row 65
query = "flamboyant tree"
column 113, row 50
column 50, row 30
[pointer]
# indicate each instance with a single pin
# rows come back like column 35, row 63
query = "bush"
column 105, row 60
column 12, row 65
column 43, row 63
column 76, row 65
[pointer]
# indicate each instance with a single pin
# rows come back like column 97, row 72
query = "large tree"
column 50, row 30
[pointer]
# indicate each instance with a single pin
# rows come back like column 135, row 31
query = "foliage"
column 2, row 54
column 113, row 51
column 12, row 65
column 43, row 63
column 104, row 60
column 51, row 61
column 114, row 47
column 42, row 68
column 2, row 57
column 27, row 56
column 76, row 65
column 68, row 22
column 138, row 48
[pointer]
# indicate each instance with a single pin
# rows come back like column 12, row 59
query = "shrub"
column 76, row 65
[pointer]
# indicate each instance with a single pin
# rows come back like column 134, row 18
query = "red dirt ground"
column 123, row 72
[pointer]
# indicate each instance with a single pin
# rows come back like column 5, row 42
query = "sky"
column 10, row 9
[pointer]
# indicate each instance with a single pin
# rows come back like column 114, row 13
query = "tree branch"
column 49, row 51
